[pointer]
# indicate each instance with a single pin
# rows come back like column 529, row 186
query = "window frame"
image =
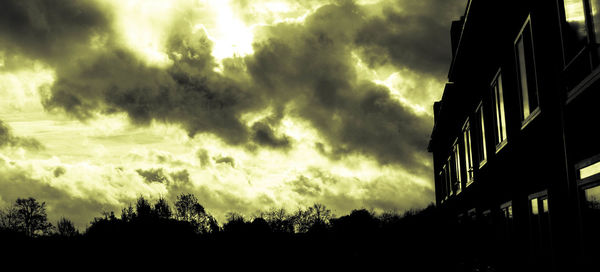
column 508, row 221
column 500, row 131
column 592, row 37
column 468, row 152
column 582, row 185
column 482, row 141
column 533, row 113
column 541, row 239
column 457, row 166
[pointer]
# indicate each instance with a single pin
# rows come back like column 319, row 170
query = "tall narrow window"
column 457, row 186
column 507, row 218
column 539, row 224
column 482, row 144
column 499, row 117
column 575, row 30
column 595, row 9
column 468, row 152
column 526, row 72
column 448, row 178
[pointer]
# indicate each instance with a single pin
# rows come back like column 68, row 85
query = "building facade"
column 514, row 145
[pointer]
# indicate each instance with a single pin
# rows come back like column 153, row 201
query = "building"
column 514, row 145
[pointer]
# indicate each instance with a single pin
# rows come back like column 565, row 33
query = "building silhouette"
column 515, row 148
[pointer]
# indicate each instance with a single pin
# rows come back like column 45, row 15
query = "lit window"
column 482, row 148
column 589, row 184
column 526, row 72
column 589, row 171
column 540, row 223
column 575, row 20
column 592, row 198
column 595, row 8
column 534, row 207
column 576, row 29
column 468, row 152
column 499, row 115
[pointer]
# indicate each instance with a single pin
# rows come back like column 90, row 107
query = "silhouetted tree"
column 358, row 222
column 235, row 223
column 188, row 209
column 128, row 214
column 143, row 208
column 279, row 220
column 31, row 217
column 313, row 218
column 66, row 228
column 8, row 219
column 162, row 209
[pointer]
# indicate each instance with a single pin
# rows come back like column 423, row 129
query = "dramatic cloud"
column 8, row 139
column 410, row 34
column 318, row 101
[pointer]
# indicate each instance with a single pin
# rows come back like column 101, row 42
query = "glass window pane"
column 510, row 212
column 592, row 197
column 589, row 171
column 498, row 99
column 534, row 206
column 482, row 126
column 575, row 17
column 468, row 152
column 523, row 78
column 591, row 224
column 501, row 108
column 545, row 205
column 595, row 6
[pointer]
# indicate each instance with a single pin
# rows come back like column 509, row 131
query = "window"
column 468, row 152
column 441, row 187
column 499, row 116
column 448, row 174
column 589, row 170
column 575, row 30
column 457, row 186
column 506, row 210
column 526, row 73
column 445, row 182
column 589, row 186
column 482, row 154
column 539, row 215
column 580, row 28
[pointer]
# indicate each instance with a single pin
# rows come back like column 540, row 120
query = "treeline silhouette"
column 187, row 232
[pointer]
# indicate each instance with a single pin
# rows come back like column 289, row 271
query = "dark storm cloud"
column 410, row 34
column 306, row 70
column 203, row 157
column 263, row 134
column 311, row 67
column 49, row 30
column 226, row 160
column 59, row 171
column 153, row 175
column 96, row 73
column 8, row 139
column 303, row 186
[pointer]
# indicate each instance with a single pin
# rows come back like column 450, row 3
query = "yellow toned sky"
column 92, row 165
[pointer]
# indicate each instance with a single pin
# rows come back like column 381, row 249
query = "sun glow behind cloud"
column 244, row 178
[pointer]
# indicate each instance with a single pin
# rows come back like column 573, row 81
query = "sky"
column 249, row 105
